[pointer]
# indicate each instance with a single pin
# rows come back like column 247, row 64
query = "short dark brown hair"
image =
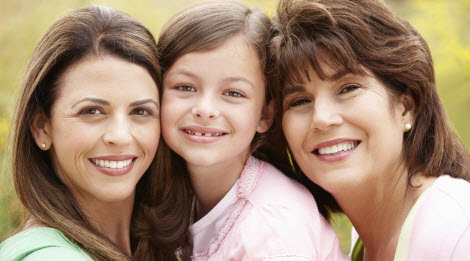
column 367, row 34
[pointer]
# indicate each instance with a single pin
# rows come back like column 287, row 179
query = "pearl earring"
column 407, row 127
column 43, row 146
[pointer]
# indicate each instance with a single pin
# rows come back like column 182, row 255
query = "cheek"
column 148, row 136
column 294, row 128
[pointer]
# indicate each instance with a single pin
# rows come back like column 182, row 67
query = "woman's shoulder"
column 442, row 220
column 454, row 189
column 40, row 243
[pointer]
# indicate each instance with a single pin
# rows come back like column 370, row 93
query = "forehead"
column 108, row 75
column 319, row 63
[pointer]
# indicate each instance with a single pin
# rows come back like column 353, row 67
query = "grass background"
column 443, row 23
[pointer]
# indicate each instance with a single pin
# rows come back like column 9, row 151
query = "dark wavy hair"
column 359, row 34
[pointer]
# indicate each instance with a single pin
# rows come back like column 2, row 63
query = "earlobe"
column 40, row 128
column 267, row 117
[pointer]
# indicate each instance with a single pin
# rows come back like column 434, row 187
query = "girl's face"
column 213, row 102
column 344, row 132
column 104, row 128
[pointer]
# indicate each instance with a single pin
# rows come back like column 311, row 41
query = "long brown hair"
column 94, row 30
column 205, row 26
column 366, row 33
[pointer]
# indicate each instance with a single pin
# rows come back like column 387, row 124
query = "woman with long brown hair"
column 363, row 120
column 85, row 134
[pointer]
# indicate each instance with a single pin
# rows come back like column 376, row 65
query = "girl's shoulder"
column 40, row 243
column 284, row 213
column 275, row 188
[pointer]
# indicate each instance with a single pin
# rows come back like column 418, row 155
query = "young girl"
column 216, row 106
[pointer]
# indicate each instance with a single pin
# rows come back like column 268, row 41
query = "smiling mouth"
column 337, row 148
column 207, row 134
column 112, row 164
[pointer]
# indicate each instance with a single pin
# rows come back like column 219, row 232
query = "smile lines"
column 336, row 149
column 111, row 164
column 208, row 134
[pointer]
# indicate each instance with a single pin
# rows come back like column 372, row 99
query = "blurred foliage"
column 443, row 23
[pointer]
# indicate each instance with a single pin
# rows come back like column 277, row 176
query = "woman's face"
column 104, row 128
column 344, row 132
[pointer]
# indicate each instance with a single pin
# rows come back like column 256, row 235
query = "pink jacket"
column 265, row 216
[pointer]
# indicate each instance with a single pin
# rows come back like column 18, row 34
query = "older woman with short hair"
column 368, row 132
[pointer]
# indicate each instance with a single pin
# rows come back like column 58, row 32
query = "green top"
column 357, row 253
column 41, row 243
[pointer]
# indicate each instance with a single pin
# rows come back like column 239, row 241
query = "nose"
column 325, row 115
column 206, row 108
column 118, row 131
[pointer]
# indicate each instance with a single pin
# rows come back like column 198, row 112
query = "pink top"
column 265, row 216
column 438, row 226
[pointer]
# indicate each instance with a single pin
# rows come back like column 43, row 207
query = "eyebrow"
column 104, row 102
column 182, row 71
column 335, row 77
column 227, row 79
column 238, row 79
column 137, row 103
column 96, row 100
column 290, row 90
column 338, row 75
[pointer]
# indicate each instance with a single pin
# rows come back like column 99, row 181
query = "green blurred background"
column 445, row 24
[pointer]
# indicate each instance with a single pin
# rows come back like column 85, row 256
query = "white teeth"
column 112, row 164
column 338, row 148
column 197, row 133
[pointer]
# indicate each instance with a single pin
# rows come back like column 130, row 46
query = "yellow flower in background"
column 4, row 124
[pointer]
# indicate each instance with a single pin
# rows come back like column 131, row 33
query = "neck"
column 111, row 219
column 379, row 210
column 211, row 183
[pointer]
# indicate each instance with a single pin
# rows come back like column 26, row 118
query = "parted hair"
column 358, row 34
column 95, row 31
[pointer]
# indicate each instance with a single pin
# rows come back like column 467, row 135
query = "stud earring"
column 407, row 127
column 43, row 146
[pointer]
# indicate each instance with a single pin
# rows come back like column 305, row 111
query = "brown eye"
column 141, row 112
column 186, row 88
column 91, row 111
column 348, row 88
column 299, row 102
column 233, row 93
